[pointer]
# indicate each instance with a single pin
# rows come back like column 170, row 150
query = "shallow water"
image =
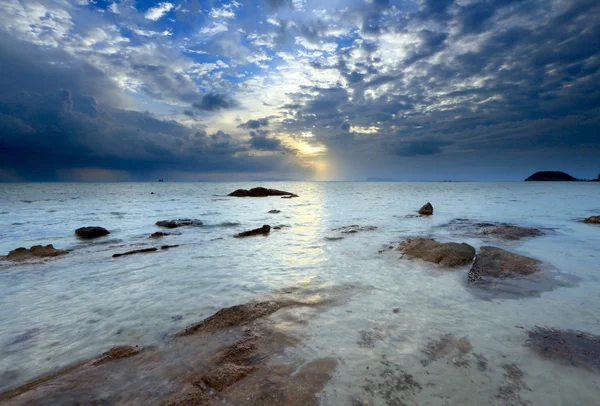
column 79, row 305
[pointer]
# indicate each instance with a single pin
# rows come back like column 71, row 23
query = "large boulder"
column 498, row 263
column 260, row 192
column 448, row 254
column 426, row 210
column 37, row 251
column 178, row 223
column 91, row 232
column 264, row 230
column 592, row 220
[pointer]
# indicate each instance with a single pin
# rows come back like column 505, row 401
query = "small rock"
column 178, row 223
column 37, row 251
column 264, row 230
column 498, row 263
column 159, row 234
column 91, row 232
column 426, row 210
column 274, row 211
column 354, row 228
column 140, row 251
column 166, row 247
column 449, row 254
column 260, row 192
column 592, row 220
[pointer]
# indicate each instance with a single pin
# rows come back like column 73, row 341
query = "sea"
column 76, row 306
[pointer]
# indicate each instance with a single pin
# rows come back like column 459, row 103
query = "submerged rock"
column 118, row 352
column 450, row 347
column 592, row 220
column 509, row 232
column 498, row 263
column 426, row 210
column 37, row 251
column 159, row 234
column 568, row 347
column 260, row 192
column 91, row 232
column 178, row 223
column 274, row 211
column 166, row 247
column 450, row 254
column 264, row 230
column 140, row 251
column 354, row 228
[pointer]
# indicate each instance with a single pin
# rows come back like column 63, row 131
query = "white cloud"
column 156, row 13
column 114, row 8
column 215, row 29
column 221, row 13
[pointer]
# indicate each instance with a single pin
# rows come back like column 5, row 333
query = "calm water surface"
column 77, row 306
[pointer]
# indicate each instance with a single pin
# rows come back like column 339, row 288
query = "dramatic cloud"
column 417, row 89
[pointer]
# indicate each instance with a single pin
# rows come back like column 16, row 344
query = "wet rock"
column 226, row 375
column 159, row 234
column 393, row 385
column 426, row 210
column 260, row 192
column 35, row 252
column 369, row 338
column 592, row 220
column 119, row 352
column 264, row 230
column 166, row 247
column 274, row 211
column 567, row 347
column 354, row 228
column 449, row 347
column 498, row 263
column 509, row 232
column 450, row 254
column 289, row 196
column 509, row 393
column 178, row 223
column 91, row 232
column 140, row 251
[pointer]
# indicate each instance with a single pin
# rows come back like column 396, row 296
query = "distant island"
column 555, row 176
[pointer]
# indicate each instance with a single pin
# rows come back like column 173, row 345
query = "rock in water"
column 178, row 223
column 426, row 210
column 509, row 232
column 264, row 230
column 498, row 263
column 260, row 192
column 592, row 220
column 91, row 232
column 550, row 176
column 140, row 251
column 37, row 251
column 274, row 211
column 449, row 254
column 159, row 234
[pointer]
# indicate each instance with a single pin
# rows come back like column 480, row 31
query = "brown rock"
column 91, row 232
column 178, row 223
column 159, row 234
column 592, row 220
column 449, row 254
column 509, row 232
column 118, row 352
column 264, row 230
column 426, row 210
column 226, row 375
column 37, row 251
column 354, row 228
column 498, row 263
column 260, row 192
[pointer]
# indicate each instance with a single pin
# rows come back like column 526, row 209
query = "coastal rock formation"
column 178, row 223
column 119, row 352
column 159, row 234
column 450, row 254
column 140, row 251
column 498, row 263
column 568, row 347
column 264, row 230
column 509, row 232
column 91, row 232
column 592, row 220
column 426, row 210
column 37, row 251
column 274, row 211
column 550, row 176
column 260, row 192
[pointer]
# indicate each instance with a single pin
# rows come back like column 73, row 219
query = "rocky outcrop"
column 426, row 210
column 264, row 230
column 592, row 220
column 35, row 252
column 498, row 263
column 508, row 232
column 260, row 192
column 550, row 176
column 91, row 232
column 450, row 254
column 178, row 223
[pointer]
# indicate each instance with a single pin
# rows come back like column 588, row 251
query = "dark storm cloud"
column 420, row 147
column 255, row 124
column 213, row 102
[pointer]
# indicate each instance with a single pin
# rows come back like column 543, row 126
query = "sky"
column 188, row 90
